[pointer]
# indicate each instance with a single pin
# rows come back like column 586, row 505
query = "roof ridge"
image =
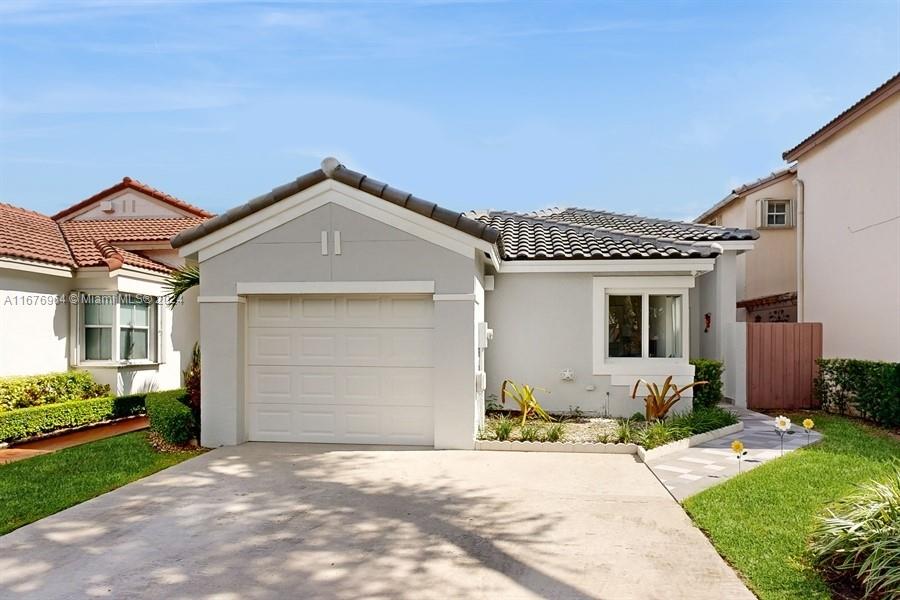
column 25, row 210
column 614, row 233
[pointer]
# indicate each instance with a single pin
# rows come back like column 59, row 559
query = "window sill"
column 641, row 367
column 116, row 364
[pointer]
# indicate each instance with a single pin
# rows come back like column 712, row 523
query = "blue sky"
column 657, row 108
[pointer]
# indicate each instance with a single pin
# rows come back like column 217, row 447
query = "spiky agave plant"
column 660, row 400
column 523, row 395
column 180, row 281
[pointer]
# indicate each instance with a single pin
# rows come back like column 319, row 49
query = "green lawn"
column 759, row 521
column 34, row 488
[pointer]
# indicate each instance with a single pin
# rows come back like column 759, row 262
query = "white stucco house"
column 83, row 289
column 336, row 308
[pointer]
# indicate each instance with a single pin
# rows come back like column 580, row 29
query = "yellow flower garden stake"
column 808, row 425
column 737, row 446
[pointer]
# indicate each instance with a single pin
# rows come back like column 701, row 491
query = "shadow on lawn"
column 318, row 527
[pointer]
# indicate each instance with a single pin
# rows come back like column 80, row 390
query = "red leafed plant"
column 192, row 379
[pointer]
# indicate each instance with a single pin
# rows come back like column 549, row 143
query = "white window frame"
column 764, row 206
column 154, row 328
column 604, row 287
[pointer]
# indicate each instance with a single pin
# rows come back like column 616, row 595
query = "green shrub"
column 659, row 433
column 502, row 428
column 626, row 432
column 860, row 538
column 52, row 388
column 701, row 420
column 870, row 387
column 554, row 432
column 28, row 422
column 171, row 417
column 529, row 433
column 710, row 371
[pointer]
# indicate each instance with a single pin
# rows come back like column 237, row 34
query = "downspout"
column 798, row 183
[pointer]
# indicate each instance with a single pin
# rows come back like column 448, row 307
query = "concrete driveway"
column 306, row 521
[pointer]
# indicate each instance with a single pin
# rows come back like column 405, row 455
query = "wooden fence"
column 781, row 365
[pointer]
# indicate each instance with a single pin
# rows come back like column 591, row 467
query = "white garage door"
column 341, row 369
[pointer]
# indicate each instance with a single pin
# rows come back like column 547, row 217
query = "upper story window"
column 776, row 213
column 118, row 328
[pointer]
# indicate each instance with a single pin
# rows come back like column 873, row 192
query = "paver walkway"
column 67, row 440
column 692, row 470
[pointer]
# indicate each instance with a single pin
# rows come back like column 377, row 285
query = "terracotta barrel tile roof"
column 32, row 236
column 129, row 230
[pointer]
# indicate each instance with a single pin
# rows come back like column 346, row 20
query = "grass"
column 760, row 521
column 34, row 488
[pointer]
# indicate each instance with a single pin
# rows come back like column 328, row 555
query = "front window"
column 665, row 326
column 118, row 327
column 644, row 325
column 624, row 326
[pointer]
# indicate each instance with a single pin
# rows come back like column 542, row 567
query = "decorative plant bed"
column 578, row 433
column 690, row 442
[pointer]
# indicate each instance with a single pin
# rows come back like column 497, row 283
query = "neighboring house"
column 833, row 257
column 339, row 309
column 766, row 277
column 84, row 289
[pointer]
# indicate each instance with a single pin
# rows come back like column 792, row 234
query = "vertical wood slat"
column 781, row 364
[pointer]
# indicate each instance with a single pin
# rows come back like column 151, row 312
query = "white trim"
column 693, row 266
column 171, row 207
column 643, row 283
column 220, row 299
column 34, row 267
column 738, row 245
column 323, row 193
column 455, row 297
column 324, row 242
column 336, row 287
column 337, row 242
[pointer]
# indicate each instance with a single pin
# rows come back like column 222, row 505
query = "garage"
column 353, row 369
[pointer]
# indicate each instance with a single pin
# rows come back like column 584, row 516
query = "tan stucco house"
column 337, row 308
column 84, row 289
column 829, row 246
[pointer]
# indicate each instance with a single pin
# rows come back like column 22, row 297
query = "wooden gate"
column 781, row 365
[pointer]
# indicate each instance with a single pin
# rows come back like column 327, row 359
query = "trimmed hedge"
column 52, row 388
column 871, row 388
column 28, row 422
column 171, row 417
column 706, row 396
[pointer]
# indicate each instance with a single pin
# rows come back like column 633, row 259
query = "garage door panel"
column 341, row 311
column 340, row 369
column 394, row 347
column 367, row 386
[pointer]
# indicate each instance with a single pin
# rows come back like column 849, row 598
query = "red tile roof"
column 129, row 230
column 100, row 253
column 129, row 183
column 32, row 236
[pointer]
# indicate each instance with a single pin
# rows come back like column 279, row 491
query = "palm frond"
column 180, row 281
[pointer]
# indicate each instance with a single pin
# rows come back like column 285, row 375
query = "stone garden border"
column 599, row 448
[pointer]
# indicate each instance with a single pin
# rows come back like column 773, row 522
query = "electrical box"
column 485, row 335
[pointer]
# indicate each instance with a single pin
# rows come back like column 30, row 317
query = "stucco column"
column 454, row 374
column 222, row 373
column 726, row 314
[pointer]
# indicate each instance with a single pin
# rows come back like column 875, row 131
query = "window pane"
column 133, row 343
column 665, row 326
column 624, row 326
column 98, row 343
column 97, row 311
column 141, row 312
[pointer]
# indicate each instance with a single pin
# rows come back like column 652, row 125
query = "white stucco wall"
column 128, row 204
column 34, row 326
column 852, row 236
column 543, row 324
column 371, row 251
